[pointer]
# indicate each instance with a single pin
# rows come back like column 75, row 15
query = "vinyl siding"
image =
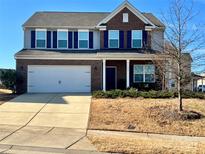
column 157, row 40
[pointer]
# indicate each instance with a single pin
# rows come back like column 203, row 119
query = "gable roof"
column 85, row 19
column 135, row 11
column 74, row 19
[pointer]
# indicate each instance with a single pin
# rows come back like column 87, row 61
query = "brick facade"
column 22, row 65
column 96, row 73
column 116, row 23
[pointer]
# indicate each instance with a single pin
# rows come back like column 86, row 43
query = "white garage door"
column 48, row 78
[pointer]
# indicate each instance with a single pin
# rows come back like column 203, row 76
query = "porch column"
column 128, row 73
column 104, row 75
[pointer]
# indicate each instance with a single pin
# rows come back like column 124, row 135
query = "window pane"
column 137, row 34
column 83, row 35
column 40, row 43
column 149, row 69
column 83, row 44
column 149, row 77
column 41, row 35
column 113, row 43
column 138, row 77
column 125, row 17
column 138, row 69
column 114, row 34
column 62, row 44
column 136, row 43
column 62, row 35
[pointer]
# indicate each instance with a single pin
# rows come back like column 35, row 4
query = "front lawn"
column 145, row 145
column 149, row 115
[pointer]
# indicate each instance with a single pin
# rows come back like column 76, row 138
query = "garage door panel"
column 59, row 78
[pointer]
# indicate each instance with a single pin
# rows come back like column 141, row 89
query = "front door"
column 111, row 78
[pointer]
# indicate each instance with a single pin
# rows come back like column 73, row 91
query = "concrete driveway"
column 48, row 121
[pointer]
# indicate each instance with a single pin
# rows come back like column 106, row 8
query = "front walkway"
column 50, row 122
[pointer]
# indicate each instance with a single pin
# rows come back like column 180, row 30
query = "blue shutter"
column 33, row 38
column 121, row 39
column 48, row 39
column 75, row 39
column 91, row 40
column 105, row 39
column 129, row 39
column 54, row 39
column 70, row 39
column 144, row 38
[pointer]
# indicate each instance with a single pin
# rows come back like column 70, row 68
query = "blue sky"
column 13, row 13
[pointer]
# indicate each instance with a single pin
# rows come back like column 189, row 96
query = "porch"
column 122, row 74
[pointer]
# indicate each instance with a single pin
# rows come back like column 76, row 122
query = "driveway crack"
column 75, row 142
column 7, row 149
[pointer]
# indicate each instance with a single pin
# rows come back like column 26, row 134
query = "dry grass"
column 142, row 145
column 146, row 115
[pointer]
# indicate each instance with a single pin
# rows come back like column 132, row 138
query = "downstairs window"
column 144, row 73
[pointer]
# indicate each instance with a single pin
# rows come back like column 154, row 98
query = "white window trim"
column 62, row 30
column 82, row 30
column 40, row 30
column 110, row 39
column 125, row 17
column 133, row 39
column 143, row 74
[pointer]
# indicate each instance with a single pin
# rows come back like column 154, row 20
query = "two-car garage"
column 58, row 78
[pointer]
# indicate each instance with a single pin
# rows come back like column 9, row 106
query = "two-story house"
column 88, row 51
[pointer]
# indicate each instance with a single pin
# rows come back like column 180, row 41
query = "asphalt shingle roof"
column 65, row 19
column 74, row 19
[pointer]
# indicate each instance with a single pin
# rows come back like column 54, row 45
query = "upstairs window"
column 83, row 39
column 113, row 38
column 40, row 38
column 144, row 73
column 125, row 17
column 62, row 39
column 136, row 39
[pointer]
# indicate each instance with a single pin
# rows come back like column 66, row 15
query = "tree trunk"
column 180, row 101
column 179, row 90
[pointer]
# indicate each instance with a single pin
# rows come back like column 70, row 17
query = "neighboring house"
column 88, row 51
column 195, row 80
column 201, row 81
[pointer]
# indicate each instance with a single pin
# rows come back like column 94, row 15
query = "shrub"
column 165, row 94
column 98, row 94
column 133, row 93
column 8, row 79
column 191, row 94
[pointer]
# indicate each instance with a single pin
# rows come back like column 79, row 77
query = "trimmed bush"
column 191, row 94
column 133, row 93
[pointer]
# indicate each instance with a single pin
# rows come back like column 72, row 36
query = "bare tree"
column 182, row 40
